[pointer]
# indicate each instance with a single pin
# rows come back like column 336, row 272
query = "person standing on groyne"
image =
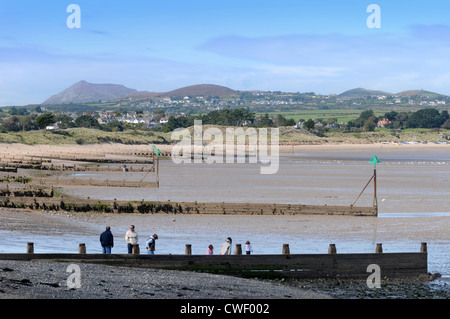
column 150, row 244
column 248, row 248
column 107, row 240
column 131, row 237
column 225, row 249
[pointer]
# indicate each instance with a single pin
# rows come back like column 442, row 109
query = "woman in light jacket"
column 131, row 237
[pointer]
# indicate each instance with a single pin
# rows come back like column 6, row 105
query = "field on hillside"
column 342, row 116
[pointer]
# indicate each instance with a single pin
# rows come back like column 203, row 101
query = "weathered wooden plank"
column 298, row 265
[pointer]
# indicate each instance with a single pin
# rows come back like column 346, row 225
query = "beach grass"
column 287, row 135
column 82, row 136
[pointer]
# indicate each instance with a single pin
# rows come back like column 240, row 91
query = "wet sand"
column 413, row 183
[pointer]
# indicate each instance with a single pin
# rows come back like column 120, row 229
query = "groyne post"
column 423, row 248
column 379, row 249
column 82, row 248
column 30, row 248
column 135, row 250
column 332, row 249
column 286, row 250
column 188, row 249
column 238, row 250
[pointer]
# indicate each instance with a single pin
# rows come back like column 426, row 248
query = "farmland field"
column 342, row 116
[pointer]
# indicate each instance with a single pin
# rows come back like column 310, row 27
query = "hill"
column 421, row 93
column 84, row 92
column 192, row 90
column 202, row 90
column 361, row 93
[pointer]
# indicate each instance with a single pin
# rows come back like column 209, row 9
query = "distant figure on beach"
column 210, row 250
column 150, row 244
column 248, row 248
column 131, row 237
column 107, row 240
column 225, row 249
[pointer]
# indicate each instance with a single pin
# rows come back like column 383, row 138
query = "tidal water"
column 411, row 186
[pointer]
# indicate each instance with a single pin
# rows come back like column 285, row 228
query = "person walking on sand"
column 131, row 237
column 107, row 240
column 150, row 244
column 225, row 249
column 248, row 248
column 210, row 250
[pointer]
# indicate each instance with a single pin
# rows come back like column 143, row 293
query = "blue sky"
column 296, row 46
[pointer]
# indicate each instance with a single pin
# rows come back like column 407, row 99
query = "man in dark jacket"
column 107, row 240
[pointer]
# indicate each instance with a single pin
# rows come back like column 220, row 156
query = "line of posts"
column 238, row 250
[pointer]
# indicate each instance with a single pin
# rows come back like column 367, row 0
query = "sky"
column 322, row 46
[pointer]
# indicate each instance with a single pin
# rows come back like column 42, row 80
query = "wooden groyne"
column 93, row 182
column 331, row 265
column 169, row 207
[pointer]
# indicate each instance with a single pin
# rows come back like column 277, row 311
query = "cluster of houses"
column 145, row 118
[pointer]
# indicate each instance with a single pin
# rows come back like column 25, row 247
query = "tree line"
column 227, row 117
column 367, row 121
column 17, row 123
column 423, row 118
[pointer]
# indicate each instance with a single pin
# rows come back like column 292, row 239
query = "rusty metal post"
column 375, row 200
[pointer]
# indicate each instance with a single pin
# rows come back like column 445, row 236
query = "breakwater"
column 285, row 265
column 169, row 207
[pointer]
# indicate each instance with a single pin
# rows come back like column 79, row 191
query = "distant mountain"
column 421, row 93
column 202, row 90
column 192, row 91
column 84, row 92
column 361, row 93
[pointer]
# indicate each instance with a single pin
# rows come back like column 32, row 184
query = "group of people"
column 225, row 249
column 132, row 239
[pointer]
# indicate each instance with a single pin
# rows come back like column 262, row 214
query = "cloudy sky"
column 323, row 46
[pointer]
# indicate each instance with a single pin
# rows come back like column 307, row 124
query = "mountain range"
column 84, row 92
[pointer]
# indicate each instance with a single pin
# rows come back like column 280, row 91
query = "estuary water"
column 412, row 194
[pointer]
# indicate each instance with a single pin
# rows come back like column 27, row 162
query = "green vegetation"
column 82, row 136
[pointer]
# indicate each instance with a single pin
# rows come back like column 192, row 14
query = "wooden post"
column 238, row 250
column 423, row 248
column 82, row 249
column 188, row 249
column 30, row 248
column 135, row 250
column 332, row 249
column 286, row 250
column 379, row 249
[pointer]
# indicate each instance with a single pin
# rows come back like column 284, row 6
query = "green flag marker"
column 157, row 152
column 375, row 160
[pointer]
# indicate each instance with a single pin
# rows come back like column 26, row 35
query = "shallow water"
column 411, row 185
